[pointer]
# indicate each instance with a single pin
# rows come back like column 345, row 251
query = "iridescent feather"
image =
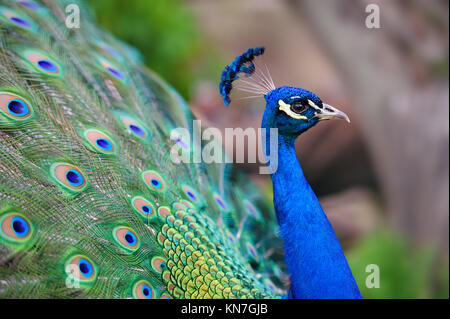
column 90, row 203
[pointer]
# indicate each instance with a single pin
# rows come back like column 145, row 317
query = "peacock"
column 91, row 204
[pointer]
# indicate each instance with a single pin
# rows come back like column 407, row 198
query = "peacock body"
column 91, row 204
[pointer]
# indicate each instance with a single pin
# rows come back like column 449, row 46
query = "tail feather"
column 91, row 204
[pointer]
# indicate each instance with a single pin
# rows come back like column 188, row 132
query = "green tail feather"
column 90, row 203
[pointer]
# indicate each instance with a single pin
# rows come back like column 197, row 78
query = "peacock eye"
column 143, row 290
column 299, row 107
column 158, row 264
column 126, row 238
column 82, row 268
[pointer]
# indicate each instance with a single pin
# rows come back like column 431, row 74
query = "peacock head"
column 294, row 110
column 291, row 110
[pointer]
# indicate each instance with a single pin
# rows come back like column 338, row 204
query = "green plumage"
column 127, row 226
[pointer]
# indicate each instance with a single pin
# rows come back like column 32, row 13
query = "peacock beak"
column 329, row 112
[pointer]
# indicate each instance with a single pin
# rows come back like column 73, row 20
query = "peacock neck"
column 313, row 255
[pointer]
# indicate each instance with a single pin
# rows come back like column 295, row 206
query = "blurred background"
column 384, row 179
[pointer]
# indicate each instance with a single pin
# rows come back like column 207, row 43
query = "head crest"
column 259, row 83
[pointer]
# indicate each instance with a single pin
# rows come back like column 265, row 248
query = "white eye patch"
column 286, row 108
column 312, row 104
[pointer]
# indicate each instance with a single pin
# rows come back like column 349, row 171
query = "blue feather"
column 241, row 64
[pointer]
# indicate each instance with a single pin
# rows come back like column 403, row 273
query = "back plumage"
column 91, row 205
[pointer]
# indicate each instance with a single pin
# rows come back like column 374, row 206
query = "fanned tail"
column 91, row 204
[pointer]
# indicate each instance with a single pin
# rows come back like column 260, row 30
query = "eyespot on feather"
column 134, row 127
column 230, row 237
column 190, row 193
column 81, row 267
column 158, row 264
column 112, row 70
column 143, row 207
column 170, row 287
column 251, row 209
column 154, row 181
column 42, row 63
column 179, row 137
column 100, row 141
column 252, row 251
column 29, row 4
column 220, row 202
column 161, row 238
column 126, row 238
column 163, row 212
column 17, row 19
column 143, row 290
column 14, row 106
column 187, row 203
column 15, row 228
column 68, row 176
column 166, row 275
column 179, row 206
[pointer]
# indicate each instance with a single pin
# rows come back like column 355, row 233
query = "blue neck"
column 313, row 255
